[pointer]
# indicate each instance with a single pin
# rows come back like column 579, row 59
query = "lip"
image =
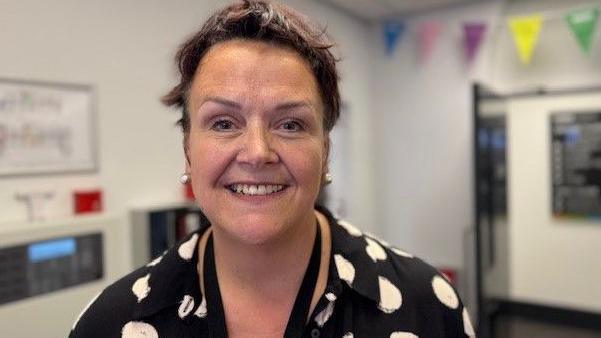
column 256, row 198
column 254, row 183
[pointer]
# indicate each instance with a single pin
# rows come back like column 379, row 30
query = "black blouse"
column 373, row 290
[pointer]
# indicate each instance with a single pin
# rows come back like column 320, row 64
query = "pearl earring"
column 184, row 178
column 327, row 178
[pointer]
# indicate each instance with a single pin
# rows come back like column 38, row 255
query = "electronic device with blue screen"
column 50, row 270
column 40, row 267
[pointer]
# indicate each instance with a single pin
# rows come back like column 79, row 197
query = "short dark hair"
column 267, row 21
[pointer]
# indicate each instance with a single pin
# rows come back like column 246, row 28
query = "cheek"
column 207, row 161
column 307, row 163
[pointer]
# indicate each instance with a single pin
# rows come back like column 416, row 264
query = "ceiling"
column 380, row 9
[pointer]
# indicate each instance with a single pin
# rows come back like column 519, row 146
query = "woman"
column 259, row 96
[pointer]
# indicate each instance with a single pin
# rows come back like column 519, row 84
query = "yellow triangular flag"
column 525, row 31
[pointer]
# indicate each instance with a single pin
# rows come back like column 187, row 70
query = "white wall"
column 557, row 60
column 423, row 135
column 354, row 177
column 552, row 261
column 125, row 50
column 422, row 114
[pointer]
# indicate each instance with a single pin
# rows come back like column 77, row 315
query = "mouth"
column 255, row 189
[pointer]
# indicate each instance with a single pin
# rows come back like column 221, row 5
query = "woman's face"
column 257, row 148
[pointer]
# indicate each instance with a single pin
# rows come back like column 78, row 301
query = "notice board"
column 576, row 163
column 46, row 128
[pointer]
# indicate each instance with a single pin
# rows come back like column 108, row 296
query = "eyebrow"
column 221, row 101
column 281, row 106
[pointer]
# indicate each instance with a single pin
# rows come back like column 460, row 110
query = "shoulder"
column 405, row 288
column 126, row 304
column 108, row 312
column 433, row 301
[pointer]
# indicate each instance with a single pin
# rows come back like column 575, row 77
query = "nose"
column 257, row 148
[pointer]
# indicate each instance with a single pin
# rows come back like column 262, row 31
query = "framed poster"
column 46, row 128
column 576, row 164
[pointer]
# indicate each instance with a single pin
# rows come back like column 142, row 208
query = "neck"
column 267, row 277
column 277, row 265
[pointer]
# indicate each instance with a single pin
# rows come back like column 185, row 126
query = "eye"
column 292, row 126
column 222, row 125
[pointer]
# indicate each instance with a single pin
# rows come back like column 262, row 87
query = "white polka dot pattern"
column 401, row 253
column 399, row 334
column 467, row 324
column 383, row 242
column 324, row 315
column 86, row 309
column 377, row 239
column 201, row 312
column 186, row 249
column 346, row 270
column 141, row 288
column 375, row 250
column 351, row 229
column 185, row 307
column 138, row 330
column 390, row 296
column 155, row 261
column 444, row 292
column 366, row 266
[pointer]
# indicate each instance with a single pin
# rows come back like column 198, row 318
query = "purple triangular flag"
column 473, row 33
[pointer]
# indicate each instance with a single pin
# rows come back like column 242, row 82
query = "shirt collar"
column 351, row 266
column 174, row 275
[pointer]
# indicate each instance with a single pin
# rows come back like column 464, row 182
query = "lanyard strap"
column 216, row 316
column 302, row 304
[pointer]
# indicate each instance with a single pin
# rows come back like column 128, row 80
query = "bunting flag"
column 393, row 31
column 428, row 33
column 583, row 24
column 473, row 34
column 526, row 30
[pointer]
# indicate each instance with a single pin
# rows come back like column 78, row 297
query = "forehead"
column 243, row 69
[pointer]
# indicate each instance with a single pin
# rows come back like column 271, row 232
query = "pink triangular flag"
column 427, row 34
column 472, row 37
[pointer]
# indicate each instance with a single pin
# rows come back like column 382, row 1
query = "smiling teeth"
column 250, row 189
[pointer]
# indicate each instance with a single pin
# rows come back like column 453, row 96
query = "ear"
column 188, row 169
column 185, row 143
column 326, row 159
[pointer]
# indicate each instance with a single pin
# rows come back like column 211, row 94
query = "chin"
column 255, row 230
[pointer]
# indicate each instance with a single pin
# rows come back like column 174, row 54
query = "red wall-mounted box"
column 87, row 201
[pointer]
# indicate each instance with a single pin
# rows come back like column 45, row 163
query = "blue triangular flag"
column 393, row 30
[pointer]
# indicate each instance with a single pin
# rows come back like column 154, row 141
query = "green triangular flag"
column 583, row 24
